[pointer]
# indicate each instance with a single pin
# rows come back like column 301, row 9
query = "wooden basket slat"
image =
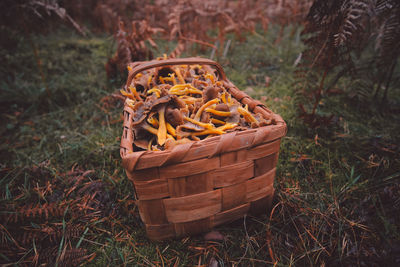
column 130, row 159
column 194, row 207
column 233, row 174
column 263, row 150
column 126, row 141
column 160, row 231
column 189, row 168
column 241, row 142
column 231, row 215
column 146, row 174
column 152, row 211
column 153, row 189
column 233, row 157
column 265, row 164
column 189, row 185
column 193, row 227
column 260, row 186
column 151, row 160
column 127, row 116
column 200, row 151
column 233, row 196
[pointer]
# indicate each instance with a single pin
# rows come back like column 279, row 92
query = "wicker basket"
column 199, row 185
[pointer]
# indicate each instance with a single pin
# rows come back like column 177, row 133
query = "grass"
column 337, row 188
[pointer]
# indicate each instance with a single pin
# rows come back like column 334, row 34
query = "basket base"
column 159, row 232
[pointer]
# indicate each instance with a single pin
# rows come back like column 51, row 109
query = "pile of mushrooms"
column 179, row 104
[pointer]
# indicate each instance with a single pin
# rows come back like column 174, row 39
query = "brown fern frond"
column 27, row 224
column 131, row 45
column 353, row 12
column 68, row 257
column 73, row 257
column 341, row 32
column 179, row 48
column 38, row 212
column 388, row 35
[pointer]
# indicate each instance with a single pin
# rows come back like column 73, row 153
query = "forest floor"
column 64, row 194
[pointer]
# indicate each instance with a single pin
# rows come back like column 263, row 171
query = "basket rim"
column 279, row 125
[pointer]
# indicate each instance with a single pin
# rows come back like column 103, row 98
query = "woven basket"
column 199, row 185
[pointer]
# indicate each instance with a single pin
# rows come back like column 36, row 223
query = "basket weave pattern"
column 199, row 185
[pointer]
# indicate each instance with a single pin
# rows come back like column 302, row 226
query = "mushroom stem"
column 247, row 115
column 216, row 121
column 173, row 78
column 188, row 99
column 153, row 121
column 162, row 130
column 130, row 103
column 202, row 124
column 171, row 129
column 223, row 97
column 135, row 93
column 150, row 143
column 152, row 130
column 128, row 95
column 154, row 90
column 218, row 112
column 227, row 126
column 179, row 74
column 230, row 99
column 220, row 130
column 210, row 76
column 148, row 128
column 149, row 80
column 184, row 89
column 208, row 131
column 201, row 109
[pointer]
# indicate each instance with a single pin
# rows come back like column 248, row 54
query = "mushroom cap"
column 174, row 116
column 152, row 102
column 142, row 109
column 178, row 102
column 210, row 92
column 222, row 107
column 235, row 116
column 190, row 126
column 187, row 129
column 141, row 143
column 139, row 113
column 225, row 108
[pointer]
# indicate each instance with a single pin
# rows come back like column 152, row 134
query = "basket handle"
column 138, row 67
